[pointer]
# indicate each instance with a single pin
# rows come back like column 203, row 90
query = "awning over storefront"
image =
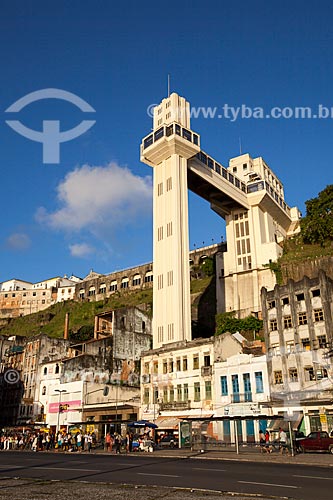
column 171, row 422
column 283, row 422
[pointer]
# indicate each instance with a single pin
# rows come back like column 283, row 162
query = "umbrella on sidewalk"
column 143, row 423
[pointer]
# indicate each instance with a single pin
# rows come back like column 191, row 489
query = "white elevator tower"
column 246, row 194
column 167, row 149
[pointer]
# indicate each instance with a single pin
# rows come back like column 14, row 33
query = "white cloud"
column 81, row 250
column 18, row 241
column 95, row 197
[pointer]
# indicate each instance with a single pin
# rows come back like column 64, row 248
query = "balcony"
column 241, row 398
column 206, row 371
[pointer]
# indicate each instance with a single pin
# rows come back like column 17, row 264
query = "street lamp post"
column 60, row 391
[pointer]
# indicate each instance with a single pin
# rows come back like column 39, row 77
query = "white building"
column 241, row 389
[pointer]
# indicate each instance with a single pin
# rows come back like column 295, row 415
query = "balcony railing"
column 241, row 398
column 206, row 371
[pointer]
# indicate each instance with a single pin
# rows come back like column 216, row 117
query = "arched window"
column 45, row 370
column 57, row 368
column 148, row 276
column 124, row 283
column 81, row 293
column 44, row 390
column 137, row 280
column 92, row 291
column 113, row 286
column 102, row 288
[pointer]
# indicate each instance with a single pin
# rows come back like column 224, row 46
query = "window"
column 195, row 362
column 102, row 289
column 124, row 283
column 316, row 293
column 171, row 365
column 309, row 374
column 300, row 296
column 285, row 301
column 165, row 395
column 271, row 304
column 170, row 278
column 322, row 341
column 172, row 395
column 306, row 343
column 235, row 388
column 169, row 184
column 287, row 322
column 197, row 391
column 224, row 385
column 57, row 368
column 247, row 387
column 165, row 367
column 155, row 367
column 146, row 396
column 137, row 280
column 160, row 334
column 149, row 277
column 178, row 364
column 318, row 315
column 160, row 189
column 278, row 377
column 273, row 325
column 160, row 233
column 160, row 281
column 169, row 229
column 179, row 393
column 302, row 318
column 185, row 392
column 206, row 360
column 45, row 371
column 208, row 389
column 44, row 391
column 293, row 376
column 184, row 364
column 113, row 286
column 259, row 383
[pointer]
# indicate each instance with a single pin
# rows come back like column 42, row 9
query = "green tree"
column 226, row 322
column 208, row 267
column 317, row 225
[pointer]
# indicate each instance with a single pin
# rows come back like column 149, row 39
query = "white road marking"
column 161, row 475
column 269, row 484
column 204, row 468
column 67, row 468
column 12, row 466
column 314, row 477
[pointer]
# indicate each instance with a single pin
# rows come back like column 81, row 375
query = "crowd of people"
column 47, row 441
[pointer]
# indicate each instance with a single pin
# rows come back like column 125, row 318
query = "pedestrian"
column 118, row 443
column 89, row 442
column 79, row 441
column 283, row 442
column 262, row 442
column 108, row 440
column 268, row 446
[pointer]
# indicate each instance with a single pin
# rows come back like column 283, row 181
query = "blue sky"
column 71, row 217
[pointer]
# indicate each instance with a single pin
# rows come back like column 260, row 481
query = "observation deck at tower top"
column 213, row 182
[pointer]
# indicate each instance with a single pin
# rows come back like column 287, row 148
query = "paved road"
column 286, row 480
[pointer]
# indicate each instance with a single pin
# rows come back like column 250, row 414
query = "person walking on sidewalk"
column 283, row 442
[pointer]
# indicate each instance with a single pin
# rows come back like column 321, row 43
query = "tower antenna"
column 240, row 145
column 168, row 84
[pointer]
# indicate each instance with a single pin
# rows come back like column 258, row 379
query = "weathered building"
column 299, row 340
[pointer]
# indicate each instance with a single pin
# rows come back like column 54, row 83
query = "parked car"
column 315, row 441
column 168, row 441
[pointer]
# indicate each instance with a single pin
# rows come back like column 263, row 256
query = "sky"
column 93, row 209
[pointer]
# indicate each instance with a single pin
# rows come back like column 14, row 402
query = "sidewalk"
column 250, row 455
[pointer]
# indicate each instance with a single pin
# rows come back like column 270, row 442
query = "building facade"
column 299, row 341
